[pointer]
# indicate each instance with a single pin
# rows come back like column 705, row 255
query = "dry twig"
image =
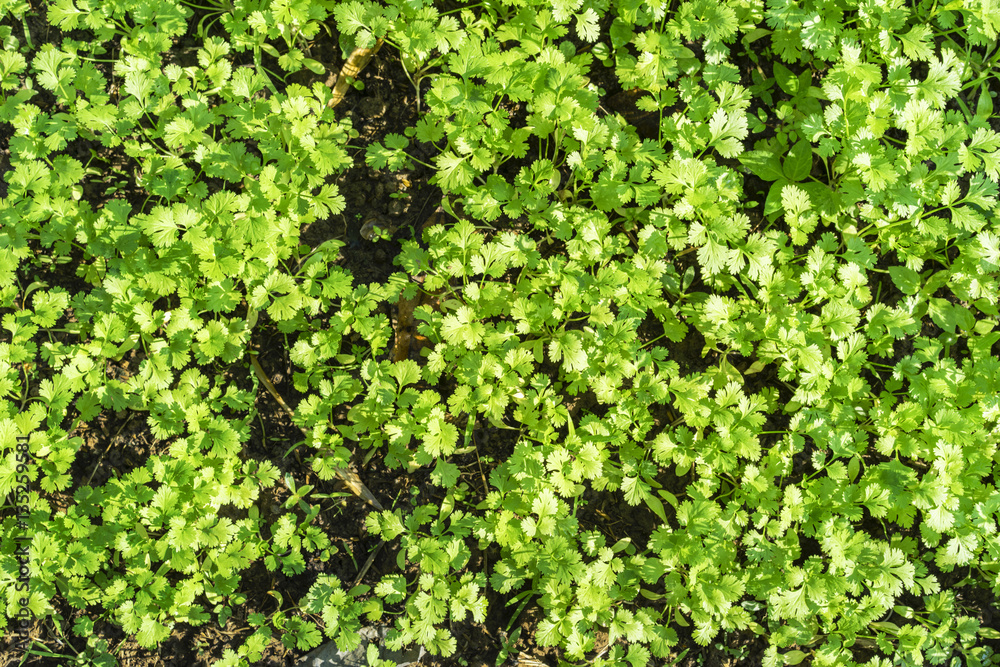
column 349, row 478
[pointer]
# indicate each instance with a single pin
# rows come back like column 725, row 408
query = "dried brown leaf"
column 356, row 62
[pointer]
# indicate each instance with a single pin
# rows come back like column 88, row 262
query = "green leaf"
column 221, row 297
column 798, row 164
column 391, row 155
column 786, row 79
column 441, row 437
column 906, row 279
column 727, row 130
column 388, row 525
column 764, row 164
column 654, row 504
column 445, row 474
column 151, row 633
column 621, row 32
column 139, row 85
column 428, row 131
column 569, row 348
column 453, row 172
column 587, row 27
column 793, row 657
column 463, row 328
column 916, row 43
column 984, row 108
column 948, row 316
column 314, row 66
column 406, row 372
